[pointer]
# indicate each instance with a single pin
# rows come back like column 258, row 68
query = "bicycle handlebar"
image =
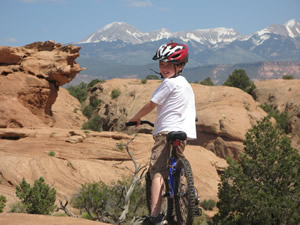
column 142, row 122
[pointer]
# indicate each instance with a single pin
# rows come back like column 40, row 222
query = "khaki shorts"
column 161, row 152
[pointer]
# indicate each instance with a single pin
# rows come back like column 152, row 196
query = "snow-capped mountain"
column 119, row 31
column 121, row 43
column 290, row 29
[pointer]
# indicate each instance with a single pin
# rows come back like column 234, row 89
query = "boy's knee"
column 154, row 174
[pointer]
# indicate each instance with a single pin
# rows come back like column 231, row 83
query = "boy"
column 175, row 102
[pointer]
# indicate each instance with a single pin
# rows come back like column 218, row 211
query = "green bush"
column 208, row 204
column 39, row 199
column 79, row 91
column 95, row 103
column 94, row 124
column 240, row 79
column 97, row 200
column 264, row 187
column 88, row 111
column 207, row 82
column 93, row 82
column 288, row 77
column 2, row 202
column 152, row 77
column 51, row 153
column 115, row 93
column 92, row 198
column 18, row 207
column 282, row 118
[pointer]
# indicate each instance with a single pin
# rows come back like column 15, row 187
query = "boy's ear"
column 180, row 66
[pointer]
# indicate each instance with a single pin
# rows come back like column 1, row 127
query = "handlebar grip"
column 128, row 124
column 147, row 122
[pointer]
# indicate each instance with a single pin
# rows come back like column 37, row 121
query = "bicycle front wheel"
column 184, row 192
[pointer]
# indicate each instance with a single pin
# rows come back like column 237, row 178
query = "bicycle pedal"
column 197, row 212
column 197, row 201
column 166, row 195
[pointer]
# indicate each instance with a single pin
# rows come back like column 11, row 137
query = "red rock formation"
column 30, row 77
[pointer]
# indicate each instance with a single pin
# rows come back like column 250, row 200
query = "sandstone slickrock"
column 283, row 95
column 224, row 113
column 97, row 157
column 29, row 219
column 30, row 77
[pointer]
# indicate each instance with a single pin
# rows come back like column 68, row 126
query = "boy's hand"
column 138, row 122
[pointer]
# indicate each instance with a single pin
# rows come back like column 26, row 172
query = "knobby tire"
column 184, row 193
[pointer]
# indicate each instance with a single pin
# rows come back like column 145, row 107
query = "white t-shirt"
column 175, row 107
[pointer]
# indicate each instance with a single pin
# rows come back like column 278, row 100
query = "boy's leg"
column 157, row 189
column 158, row 170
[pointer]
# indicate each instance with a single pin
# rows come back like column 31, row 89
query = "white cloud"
column 139, row 3
column 9, row 40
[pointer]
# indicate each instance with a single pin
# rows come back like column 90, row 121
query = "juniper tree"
column 240, row 79
column 264, row 187
column 39, row 199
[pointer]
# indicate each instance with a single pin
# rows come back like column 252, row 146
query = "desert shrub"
column 282, row 118
column 100, row 201
column 94, row 124
column 93, row 82
column 2, row 202
column 92, row 198
column 18, row 207
column 207, row 82
column 201, row 220
column 52, row 153
column 144, row 81
column 115, row 93
column 95, row 103
column 39, row 199
column 152, row 77
column 79, row 91
column 264, row 187
column 288, row 77
column 208, row 204
column 240, row 79
column 88, row 111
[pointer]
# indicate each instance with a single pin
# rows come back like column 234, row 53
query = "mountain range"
column 121, row 50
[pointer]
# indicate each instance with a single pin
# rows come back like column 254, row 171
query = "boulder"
column 30, row 77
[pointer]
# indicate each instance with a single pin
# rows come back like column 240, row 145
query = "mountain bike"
column 179, row 186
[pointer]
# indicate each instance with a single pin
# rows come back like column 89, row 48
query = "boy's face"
column 168, row 69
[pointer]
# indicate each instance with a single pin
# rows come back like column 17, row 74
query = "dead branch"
column 136, row 179
column 64, row 208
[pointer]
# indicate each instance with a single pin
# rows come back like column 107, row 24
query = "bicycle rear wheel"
column 184, row 192
column 167, row 203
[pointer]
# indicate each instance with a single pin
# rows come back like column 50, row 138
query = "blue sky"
column 65, row 21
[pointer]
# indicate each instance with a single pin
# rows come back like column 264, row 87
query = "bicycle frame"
column 171, row 178
column 172, row 168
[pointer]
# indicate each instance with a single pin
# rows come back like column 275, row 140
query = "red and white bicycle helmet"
column 172, row 52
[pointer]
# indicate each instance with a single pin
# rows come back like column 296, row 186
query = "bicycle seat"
column 176, row 135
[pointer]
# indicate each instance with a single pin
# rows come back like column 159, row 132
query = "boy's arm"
column 147, row 108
